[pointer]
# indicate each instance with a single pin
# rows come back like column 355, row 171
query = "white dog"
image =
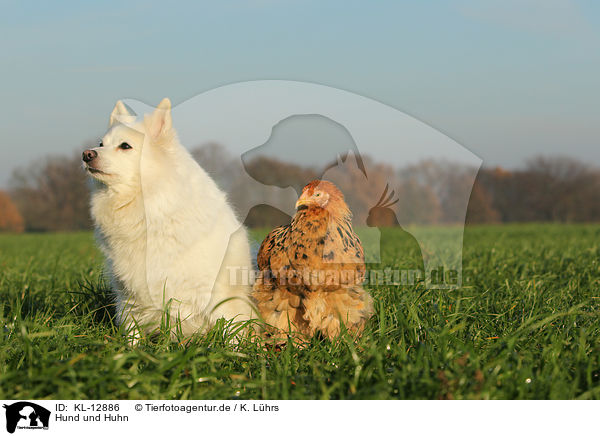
column 171, row 239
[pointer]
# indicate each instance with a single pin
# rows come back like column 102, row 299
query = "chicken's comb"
column 386, row 202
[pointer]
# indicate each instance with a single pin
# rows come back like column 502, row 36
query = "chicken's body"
column 311, row 270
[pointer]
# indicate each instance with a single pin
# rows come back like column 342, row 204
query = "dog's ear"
column 160, row 122
column 121, row 114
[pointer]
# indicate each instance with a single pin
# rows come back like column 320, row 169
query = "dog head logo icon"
column 26, row 415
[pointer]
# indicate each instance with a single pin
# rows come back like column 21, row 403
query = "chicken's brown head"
column 325, row 195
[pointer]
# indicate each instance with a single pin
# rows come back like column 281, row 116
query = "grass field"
column 525, row 325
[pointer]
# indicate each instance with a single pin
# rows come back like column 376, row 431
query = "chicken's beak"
column 304, row 200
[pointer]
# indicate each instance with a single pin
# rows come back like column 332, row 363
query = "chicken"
column 311, row 271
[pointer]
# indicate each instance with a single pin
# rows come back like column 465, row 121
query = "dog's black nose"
column 89, row 155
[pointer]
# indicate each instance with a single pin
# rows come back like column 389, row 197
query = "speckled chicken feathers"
column 311, row 273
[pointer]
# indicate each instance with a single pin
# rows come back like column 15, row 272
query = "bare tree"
column 52, row 195
column 10, row 218
column 480, row 208
column 217, row 162
column 563, row 189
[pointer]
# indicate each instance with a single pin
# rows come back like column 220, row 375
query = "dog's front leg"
column 128, row 321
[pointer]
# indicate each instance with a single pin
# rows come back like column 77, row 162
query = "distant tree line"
column 52, row 195
column 547, row 189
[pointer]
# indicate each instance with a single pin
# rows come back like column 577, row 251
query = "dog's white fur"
column 169, row 235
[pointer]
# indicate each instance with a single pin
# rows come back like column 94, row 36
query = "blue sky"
column 507, row 79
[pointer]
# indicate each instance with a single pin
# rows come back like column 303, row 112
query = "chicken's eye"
column 124, row 146
column 318, row 194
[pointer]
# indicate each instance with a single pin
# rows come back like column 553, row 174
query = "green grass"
column 524, row 325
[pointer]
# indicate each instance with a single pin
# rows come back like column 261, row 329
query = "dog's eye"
column 124, row 146
column 101, row 145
